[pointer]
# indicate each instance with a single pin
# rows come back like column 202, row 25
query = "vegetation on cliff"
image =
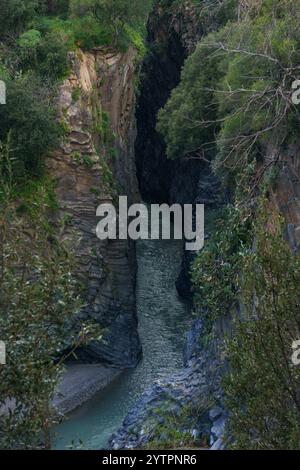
column 262, row 389
column 35, row 37
column 40, row 296
column 234, row 109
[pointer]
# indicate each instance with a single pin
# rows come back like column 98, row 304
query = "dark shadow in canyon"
column 161, row 180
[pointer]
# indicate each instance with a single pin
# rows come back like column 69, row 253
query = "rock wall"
column 286, row 193
column 172, row 36
column 165, row 181
column 96, row 163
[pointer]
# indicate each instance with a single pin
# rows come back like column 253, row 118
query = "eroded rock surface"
column 94, row 164
column 197, row 386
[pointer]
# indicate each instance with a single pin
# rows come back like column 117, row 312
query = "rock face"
column 172, row 35
column 94, row 164
column 198, row 384
column 286, row 193
column 79, row 383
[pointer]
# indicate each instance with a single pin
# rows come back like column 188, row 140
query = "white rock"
column 218, row 445
column 217, row 430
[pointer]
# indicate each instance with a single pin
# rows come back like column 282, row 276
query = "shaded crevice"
column 183, row 181
column 160, row 179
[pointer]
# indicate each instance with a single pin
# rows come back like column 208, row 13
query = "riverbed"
column 163, row 320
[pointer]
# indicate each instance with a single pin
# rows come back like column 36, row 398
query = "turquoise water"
column 163, row 319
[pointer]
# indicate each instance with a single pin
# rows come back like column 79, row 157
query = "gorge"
column 164, row 319
column 140, row 343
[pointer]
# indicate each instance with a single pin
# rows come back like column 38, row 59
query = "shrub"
column 113, row 16
column 30, row 118
column 235, row 91
column 191, row 105
column 216, row 270
column 46, row 55
column 262, row 388
column 16, row 14
column 52, row 57
column 89, row 33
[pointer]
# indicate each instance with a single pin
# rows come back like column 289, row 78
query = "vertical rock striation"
column 173, row 34
column 96, row 163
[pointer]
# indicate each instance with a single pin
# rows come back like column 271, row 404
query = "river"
column 163, row 319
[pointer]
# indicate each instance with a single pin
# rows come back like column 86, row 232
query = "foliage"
column 57, row 7
column 255, row 94
column 88, row 33
column 213, row 15
column 38, row 294
column 116, row 23
column 262, row 388
column 47, row 54
column 30, row 39
column 176, row 428
column 186, row 120
column 235, row 92
column 116, row 14
column 39, row 298
column 30, row 117
column 215, row 271
column 15, row 14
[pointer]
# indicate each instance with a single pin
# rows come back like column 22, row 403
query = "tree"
column 262, row 388
column 29, row 113
column 38, row 296
column 57, row 7
column 15, row 14
column 115, row 13
column 235, row 92
column 46, row 55
column 39, row 300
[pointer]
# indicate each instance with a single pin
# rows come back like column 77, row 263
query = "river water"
column 163, row 319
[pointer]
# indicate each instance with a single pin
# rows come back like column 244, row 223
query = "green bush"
column 215, row 271
column 16, row 14
column 59, row 26
column 52, row 57
column 47, row 55
column 30, row 118
column 262, row 388
column 58, row 7
column 89, row 33
column 113, row 19
column 235, row 90
column 38, row 298
column 191, row 105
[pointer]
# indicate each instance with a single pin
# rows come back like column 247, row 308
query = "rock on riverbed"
column 198, row 384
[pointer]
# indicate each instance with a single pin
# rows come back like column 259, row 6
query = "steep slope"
column 172, row 35
column 94, row 164
column 255, row 155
